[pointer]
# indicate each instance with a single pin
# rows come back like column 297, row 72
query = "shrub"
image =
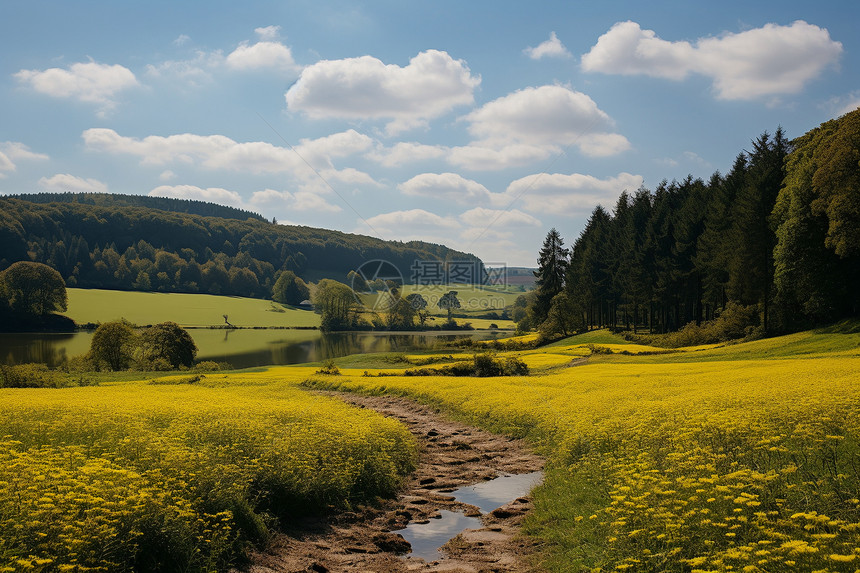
column 329, row 368
column 33, row 376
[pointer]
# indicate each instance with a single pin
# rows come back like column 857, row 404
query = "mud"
column 453, row 455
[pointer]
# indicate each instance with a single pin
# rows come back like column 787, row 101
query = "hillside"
column 156, row 244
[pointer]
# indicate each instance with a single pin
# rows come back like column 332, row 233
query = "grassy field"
column 203, row 310
column 743, row 457
column 178, row 473
column 94, row 305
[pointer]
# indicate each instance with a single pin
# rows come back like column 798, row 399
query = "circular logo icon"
column 377, row 281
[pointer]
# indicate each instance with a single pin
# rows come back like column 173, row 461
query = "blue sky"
column 477, row 124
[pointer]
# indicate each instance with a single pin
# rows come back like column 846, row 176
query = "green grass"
column 593, row 337
column 96, row 305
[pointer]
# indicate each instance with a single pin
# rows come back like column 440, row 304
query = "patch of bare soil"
column 453, row 455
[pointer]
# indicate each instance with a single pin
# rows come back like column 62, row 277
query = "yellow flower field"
column 179, row 474
column 665, row 463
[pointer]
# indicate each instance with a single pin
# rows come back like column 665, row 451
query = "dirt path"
column 453, row 455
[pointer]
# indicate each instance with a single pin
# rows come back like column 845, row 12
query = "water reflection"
column 427, row 538
column 243, row 348
column 489, row 495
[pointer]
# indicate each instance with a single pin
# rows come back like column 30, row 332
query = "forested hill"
column 777, row 238
column 141, row 248
column 161, row 203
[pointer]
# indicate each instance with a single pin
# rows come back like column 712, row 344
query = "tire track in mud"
column 452, row 455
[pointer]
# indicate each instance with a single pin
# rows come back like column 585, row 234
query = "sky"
column 480, row 125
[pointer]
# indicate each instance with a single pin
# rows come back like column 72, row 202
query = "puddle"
column 489, row 495
column 427, row 538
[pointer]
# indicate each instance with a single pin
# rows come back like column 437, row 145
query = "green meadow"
column 192, row 310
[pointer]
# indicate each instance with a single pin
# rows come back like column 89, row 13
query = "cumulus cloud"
column 221, row 152
column 5, row 165
column 561, row 194
column 483, row 157
column 262, row 55
column 88, row 82
column 768, row 61
column 17, row 151
column 12, row 151
column 298, row 201
column 65, row 183
column 412, row 224
column 195, row 72
column 405, row 152
column 431, row 85
column 483, row 217
column 210, row 194
column 446, row 186
column 535, row 123
column 552, row 48
column 268, row 32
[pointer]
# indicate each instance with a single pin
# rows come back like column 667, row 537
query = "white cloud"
column 5, row 165
column 262, row 55
column 552, row 48
column 446, row 186
column 211, row 194
column 534, row 123
column 768, row 61
column 65, row 183
column 181, row 40
column 167, row 175
column 195, row 72
column 17, row 151
column 298, row 201
column 561, row 194
column 88, row 82
column 405, row 152
column 413, row 224
column 852, row 105
column 220, row 152
column 12, row 151
column 268, row 32
column 477, row 157
column 366, row 88
column 309, row 201
column 482, row 217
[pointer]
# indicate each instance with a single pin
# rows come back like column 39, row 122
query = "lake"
column 244, row 348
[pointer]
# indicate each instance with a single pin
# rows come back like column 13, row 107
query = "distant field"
column 473, row 298
column 95, row 305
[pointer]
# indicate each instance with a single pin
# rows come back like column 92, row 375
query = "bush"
column 735, row 322
column 329, row 368
column 486, row 365
column 33, row 376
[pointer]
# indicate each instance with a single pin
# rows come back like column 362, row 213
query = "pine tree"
column 552, row 265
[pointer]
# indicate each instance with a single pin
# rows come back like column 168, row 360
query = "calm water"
column 427, row 538
column 241, row 348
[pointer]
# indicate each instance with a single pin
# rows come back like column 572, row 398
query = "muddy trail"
column 453, row 455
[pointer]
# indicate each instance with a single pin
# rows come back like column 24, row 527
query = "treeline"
column 141, row 248
column 189, row 206
column 779, row 234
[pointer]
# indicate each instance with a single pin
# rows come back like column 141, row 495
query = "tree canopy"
column 168, row 343
column 290, row 289
column 147, row 243
column 113, row 344
column 33, row 289
column 779, row 234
